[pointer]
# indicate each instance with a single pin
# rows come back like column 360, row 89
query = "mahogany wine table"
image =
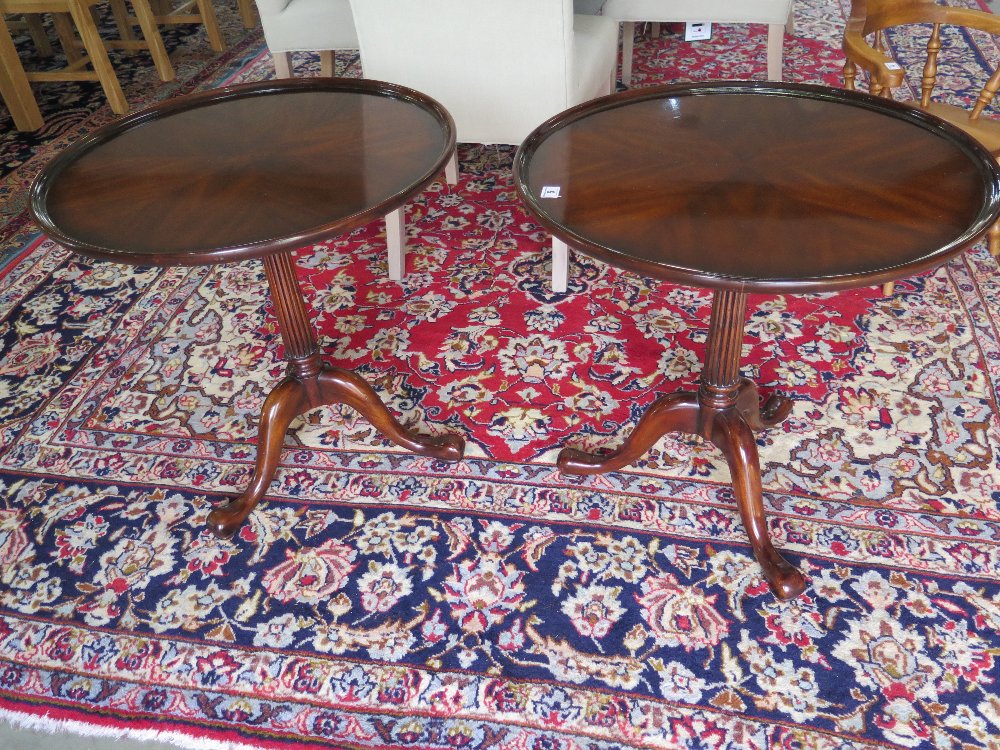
column 255, row 171
column 751, row 187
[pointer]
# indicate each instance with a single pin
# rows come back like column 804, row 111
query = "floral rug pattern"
column 380, row 600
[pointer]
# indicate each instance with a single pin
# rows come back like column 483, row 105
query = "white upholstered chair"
column 306, row 26
column 500, row 68
column 324, row 26
column 777, row 14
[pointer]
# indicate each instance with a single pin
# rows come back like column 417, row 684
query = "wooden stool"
column 149, row 16
column 247, row 14
column 35, row 28
column 14, row 87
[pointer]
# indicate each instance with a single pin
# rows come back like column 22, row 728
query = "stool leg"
column 63, row 25
column 38, row 36
column 151, row 33
column 98, row 56
column 246, row 13
column 211, row 24
column 120, row 13
column 14, row 87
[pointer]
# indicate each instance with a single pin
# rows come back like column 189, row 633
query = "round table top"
column 243, row 171
column 759, row 187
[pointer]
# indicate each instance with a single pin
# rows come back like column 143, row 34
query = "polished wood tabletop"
column 243, row 171
column 759, row 186
column 256, row 171
column 751, row 187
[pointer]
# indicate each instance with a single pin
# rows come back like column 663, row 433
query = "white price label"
column 697, row 30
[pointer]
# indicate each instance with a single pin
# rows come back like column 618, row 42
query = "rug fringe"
column 52, row 725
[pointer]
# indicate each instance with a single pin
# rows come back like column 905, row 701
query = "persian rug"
column 380, row 600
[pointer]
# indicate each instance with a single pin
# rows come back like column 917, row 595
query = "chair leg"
column 395, row 239
column 63, row 25
column 628, row 33
column 151, row 34
column 775, row 50
column 790, row 23
column 211, row 24
column 246, row 13
column 451, row 169
column 887, row 288
column 993, row 239
column 282, row 64
column 326, row 63
column 38, row 36
column 98, row 56
column 560, row 265
column 120, row 13
column 14, row 87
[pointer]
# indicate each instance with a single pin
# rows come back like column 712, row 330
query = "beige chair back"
column 500, row 68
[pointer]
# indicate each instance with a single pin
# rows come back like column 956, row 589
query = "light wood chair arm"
column 882, row 69
column 973, row 19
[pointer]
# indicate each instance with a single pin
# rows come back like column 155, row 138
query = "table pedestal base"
column 725, row 411
column 296, row 395
column 307, row 385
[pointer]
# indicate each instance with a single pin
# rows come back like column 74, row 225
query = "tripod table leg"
column 758, row 416
column 677, row 412
column 283, row 404
column 346, row 387
column 308, row 385
column 733, row 436
column 725, row 410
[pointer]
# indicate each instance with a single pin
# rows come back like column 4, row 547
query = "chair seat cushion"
column 713, row 11
column 309, row 25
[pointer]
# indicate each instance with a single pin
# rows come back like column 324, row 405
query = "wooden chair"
column 867, row 47
column 70, row 17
